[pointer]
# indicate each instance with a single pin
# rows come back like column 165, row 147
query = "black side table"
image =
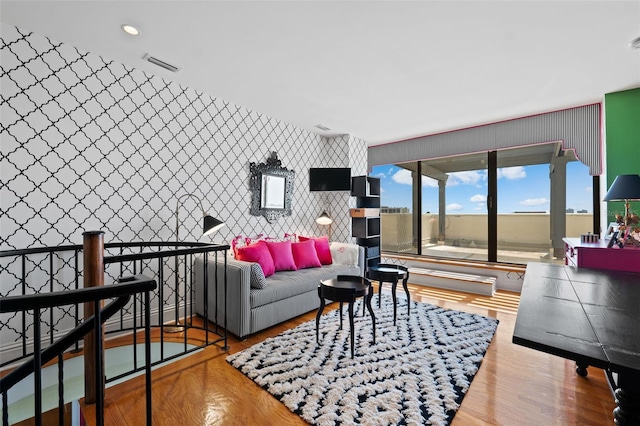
column 389, row 273
column 346, row 288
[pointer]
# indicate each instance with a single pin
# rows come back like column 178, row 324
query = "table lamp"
column 625, row 188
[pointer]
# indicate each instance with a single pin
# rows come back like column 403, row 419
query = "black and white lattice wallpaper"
column 88, row 143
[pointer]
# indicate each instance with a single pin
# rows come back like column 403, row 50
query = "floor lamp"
column 209, row 226
column 209, row 223
column 325, row 219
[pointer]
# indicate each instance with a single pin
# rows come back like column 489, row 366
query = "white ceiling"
column 379, row 70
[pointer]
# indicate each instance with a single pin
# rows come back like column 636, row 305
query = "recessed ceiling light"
column 130, row 29
column 635, row 43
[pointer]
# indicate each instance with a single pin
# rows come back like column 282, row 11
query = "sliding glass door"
column 454, row 207
column 524, row 204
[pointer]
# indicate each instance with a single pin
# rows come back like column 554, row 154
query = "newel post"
column 93, row 252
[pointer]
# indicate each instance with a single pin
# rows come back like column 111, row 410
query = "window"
column 541, row 195
column 579, row 213
column 396, row 211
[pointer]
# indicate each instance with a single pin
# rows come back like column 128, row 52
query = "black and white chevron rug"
column 416, row 373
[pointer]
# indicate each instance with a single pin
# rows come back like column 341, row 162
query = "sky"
column 520, row 189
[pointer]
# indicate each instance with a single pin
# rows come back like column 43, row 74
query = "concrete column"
column 558, row 207
column 442, row 210
column 417, row 210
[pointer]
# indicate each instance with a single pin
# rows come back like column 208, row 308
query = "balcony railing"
column 520, row 233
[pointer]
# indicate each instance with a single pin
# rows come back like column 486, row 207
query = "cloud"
column 534, row 201
column 454, row 206
column 589, row 189
column 478, row 198
column 466, row 178
column 429, row 182
column 404, row 177
column 512, row 173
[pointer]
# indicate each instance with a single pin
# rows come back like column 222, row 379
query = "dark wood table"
column 591, row 316
column 345, row 288
column 390, row 273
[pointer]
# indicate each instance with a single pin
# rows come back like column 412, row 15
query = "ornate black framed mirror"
column 271, row 187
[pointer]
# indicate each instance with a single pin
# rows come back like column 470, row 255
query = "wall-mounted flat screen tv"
column 330, row 179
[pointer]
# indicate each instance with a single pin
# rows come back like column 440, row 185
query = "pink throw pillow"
column 322, row 248
column 305, row 255
column 259, row 253
column 281, row 255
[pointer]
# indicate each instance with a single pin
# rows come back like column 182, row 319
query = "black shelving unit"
column 365, row 218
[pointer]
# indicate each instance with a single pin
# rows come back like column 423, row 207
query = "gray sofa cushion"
column 285, row 284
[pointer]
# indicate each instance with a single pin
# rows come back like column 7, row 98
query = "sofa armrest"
column 361, row 260
column 238, row 309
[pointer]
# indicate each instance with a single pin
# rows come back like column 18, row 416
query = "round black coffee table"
column 345, row 288
column 389, row 273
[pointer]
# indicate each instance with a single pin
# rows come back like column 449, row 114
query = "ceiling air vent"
column 161, row 63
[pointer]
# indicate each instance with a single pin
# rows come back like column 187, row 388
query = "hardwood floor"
column 514, row 386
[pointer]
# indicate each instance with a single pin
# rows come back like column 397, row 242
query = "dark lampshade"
column 624, row 187
column 210, row 225
column 324, row 219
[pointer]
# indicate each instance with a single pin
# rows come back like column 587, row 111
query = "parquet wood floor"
column 514, row 386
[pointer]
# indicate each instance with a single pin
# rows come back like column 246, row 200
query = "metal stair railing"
column 43, row 270
column 121, row 293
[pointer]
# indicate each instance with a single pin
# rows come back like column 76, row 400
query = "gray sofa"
column 285, row 295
